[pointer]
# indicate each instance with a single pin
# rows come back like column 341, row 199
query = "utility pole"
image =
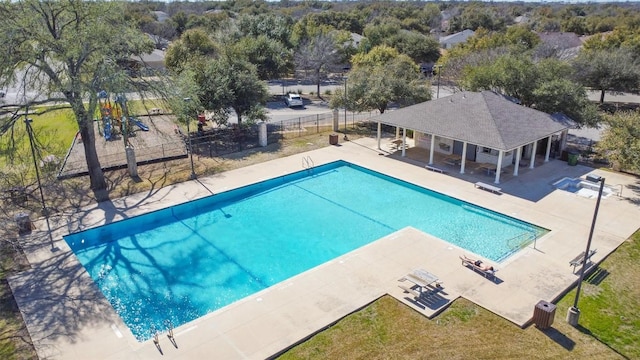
column 345, row 107
column 439, row 67
column 27, row 122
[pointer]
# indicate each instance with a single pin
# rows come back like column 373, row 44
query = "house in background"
column 356, row 39
column 161, row 16
column 449, row 41
column 564, row 45
column 146, row 65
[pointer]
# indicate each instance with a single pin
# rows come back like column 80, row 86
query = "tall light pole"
column 345, row 107
column 439, row 67
column 573, row 315
column 27, row 122
column 193, row 172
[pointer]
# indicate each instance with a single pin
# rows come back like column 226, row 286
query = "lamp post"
column 193, row 172
column 439, row 67
column 27, row 122
column 573, row 315
column 345, row 108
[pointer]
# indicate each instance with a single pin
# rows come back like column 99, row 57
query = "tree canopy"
column 317, row 57
column 379, row 78
column 616, row 70
column 230, row 82
column 69, row 51
column 545, row 85
column 620, row 142
column 193, row 45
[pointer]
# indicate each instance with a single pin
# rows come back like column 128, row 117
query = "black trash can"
column 543, row 314
column 333, row 139
column 23, row 222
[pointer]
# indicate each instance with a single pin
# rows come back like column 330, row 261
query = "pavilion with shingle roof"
column 484, row 127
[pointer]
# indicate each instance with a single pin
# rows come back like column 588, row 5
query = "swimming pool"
column 183, row 262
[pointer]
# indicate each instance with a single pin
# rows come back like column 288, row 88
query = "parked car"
column 293, row 100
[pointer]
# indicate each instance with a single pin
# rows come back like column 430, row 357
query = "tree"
column 566, row 97
column 375, row 34
column 608, row 70
column 193, row 44
column 620, row 141
column 476, row 16
column 507, row 74
column 381, row 77
column 319, row 56
column 71, row 50
column 270, row 56
column 180, row 20
column 269, row 25
column 230, row 82
column 306, row 29
column 544, row 85
column 418, row 47
column 623, row 37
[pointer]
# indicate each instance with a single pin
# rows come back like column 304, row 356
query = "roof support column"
column 404, row 141
column 563, row 140
column 517, row 165
column 397, row 132
column 464, row 157
column 379, row 135
column 546, row 154
column 432, row 148
column 533, row 155
column 499, row 166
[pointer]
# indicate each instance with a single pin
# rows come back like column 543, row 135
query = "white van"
column 293, row 100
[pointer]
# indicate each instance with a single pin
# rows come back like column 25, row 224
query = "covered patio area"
column 477, row 133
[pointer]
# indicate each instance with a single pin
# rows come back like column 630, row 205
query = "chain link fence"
column 224, row 141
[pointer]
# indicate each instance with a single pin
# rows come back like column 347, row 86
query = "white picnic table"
column 422, row 278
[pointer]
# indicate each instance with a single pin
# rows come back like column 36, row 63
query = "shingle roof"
column 561, row 40
column 487, row 119
column 458, row 37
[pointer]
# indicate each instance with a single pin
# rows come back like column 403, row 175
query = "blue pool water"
column 568, row 184
column 183, row 262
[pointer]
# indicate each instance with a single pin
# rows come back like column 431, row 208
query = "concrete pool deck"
column 68, row 318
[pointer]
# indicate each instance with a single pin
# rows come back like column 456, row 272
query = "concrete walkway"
column 68, row 318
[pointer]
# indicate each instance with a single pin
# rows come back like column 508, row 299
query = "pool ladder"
column 307, row 163
column 522, row 240
column 156, row 335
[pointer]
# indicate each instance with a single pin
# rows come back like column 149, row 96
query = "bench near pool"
column 435, row 169
column 581, row 259
column 483, row 186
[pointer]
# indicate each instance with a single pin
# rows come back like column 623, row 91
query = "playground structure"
column 115, row 117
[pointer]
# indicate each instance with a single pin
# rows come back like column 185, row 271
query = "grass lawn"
column 54, row 132
column 610, row 300
column 388, row 329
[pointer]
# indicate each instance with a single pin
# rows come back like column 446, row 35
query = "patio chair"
column 489, row 272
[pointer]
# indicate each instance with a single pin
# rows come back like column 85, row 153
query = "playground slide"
column 107, row 130
column 140, row 124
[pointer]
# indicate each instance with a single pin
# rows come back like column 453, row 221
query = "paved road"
column 277, row 88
